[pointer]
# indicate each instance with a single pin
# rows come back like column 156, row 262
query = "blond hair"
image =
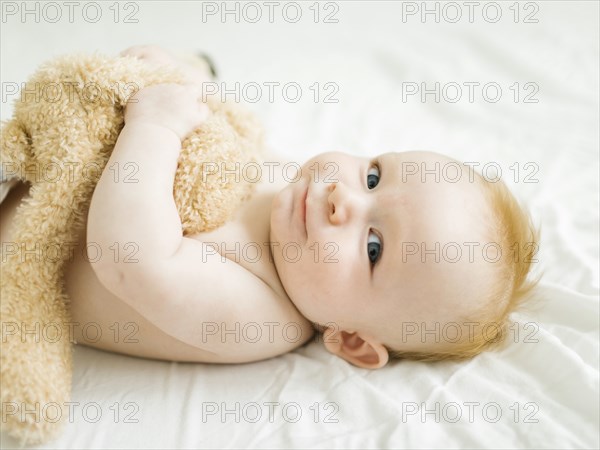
column 514, row 231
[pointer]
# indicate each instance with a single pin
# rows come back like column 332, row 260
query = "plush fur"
column 64, row 127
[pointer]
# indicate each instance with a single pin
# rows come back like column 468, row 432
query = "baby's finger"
column 137, row 51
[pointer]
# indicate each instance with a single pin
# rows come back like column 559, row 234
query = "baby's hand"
column 151, row 54
column 173, row 106
column 156, row 56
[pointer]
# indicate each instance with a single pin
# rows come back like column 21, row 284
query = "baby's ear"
column 362, row 352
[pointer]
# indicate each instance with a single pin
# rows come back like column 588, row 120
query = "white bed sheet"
column 369, row 53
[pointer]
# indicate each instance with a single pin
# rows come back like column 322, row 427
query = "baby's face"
column 359, row 261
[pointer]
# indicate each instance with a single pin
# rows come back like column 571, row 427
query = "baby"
column 404, row 255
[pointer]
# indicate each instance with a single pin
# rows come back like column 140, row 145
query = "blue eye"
column 373, row 248
column 372, row 180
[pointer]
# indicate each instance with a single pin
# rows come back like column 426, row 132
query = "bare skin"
column 104, row 318
column 204, row 298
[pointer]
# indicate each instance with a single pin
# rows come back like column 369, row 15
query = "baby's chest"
column 245, row 239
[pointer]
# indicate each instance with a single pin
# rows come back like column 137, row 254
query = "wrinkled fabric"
column 541, row 391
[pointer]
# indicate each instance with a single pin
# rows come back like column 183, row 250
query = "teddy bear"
column 64, row 127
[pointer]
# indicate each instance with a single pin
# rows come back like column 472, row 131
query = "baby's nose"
column 340, row 203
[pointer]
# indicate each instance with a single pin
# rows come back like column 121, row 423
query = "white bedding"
column 546, row 391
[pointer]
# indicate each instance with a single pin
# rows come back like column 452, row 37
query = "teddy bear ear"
column 209, row 62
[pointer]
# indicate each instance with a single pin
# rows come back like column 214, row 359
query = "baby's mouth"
column 304, row 210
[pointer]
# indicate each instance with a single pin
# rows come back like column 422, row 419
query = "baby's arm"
column 176, row 283
column 139, row 211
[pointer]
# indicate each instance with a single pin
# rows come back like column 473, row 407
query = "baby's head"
column 406, row 255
